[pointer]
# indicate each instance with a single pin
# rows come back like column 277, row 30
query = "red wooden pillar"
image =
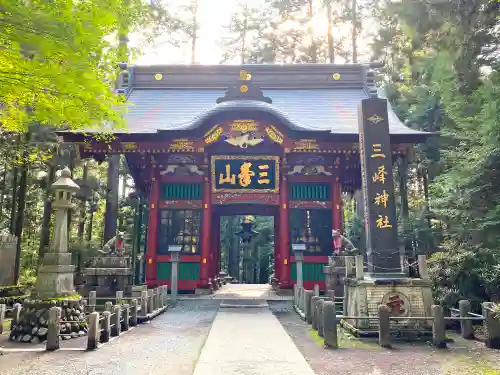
column 214, row 246
column 338, row 217
column 154, row 198
column 206, row 226
column 284, row 236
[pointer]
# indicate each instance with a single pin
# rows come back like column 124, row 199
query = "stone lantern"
column 55, row 276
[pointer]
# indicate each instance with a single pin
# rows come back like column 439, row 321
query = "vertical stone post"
column 3, row 309
column 308, row 294
column 94, row 331
column 126, row 317
column 349, row 266
column 151, row 306
column 295, row 294
column 465, row 325
column 108, row 306
column 119, row 297
column 316, row 290
column 298, row 249
column 174, row 259
column 165, row 296
column 155, row 299
column 133, row 312
column 314, row 312
column 106, row 326
column 492, row 324
column 438, row 327
column 321, row 304
column 330, row 325
column 144, row 303
column 53, row 326
column 16, row 313
column 84, row 305
column 422, row 267
column 116, row 324
column 360, row 274
column 384, row 326
column 92, row 300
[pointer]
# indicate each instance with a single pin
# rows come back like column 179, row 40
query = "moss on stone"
column 346, row 340
column 462, row 364
column 76, row 297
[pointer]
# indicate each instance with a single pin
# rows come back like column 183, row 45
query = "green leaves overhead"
column 57, row 64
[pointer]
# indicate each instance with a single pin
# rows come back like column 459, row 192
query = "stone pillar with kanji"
column 384, row 283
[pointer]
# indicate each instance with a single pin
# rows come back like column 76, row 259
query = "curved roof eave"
column 244, row 105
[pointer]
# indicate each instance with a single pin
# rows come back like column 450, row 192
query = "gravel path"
column 357, row 357
column 170, row 344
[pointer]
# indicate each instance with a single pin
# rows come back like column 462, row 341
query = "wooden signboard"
column 245, row 174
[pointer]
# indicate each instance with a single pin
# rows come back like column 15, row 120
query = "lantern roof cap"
column 64, row 182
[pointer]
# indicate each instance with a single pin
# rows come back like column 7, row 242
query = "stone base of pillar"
column 405, row 297
column 55, row 277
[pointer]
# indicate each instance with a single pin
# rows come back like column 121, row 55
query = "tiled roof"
column 333, row 110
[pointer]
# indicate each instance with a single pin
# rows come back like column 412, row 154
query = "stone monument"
column 8, row 243
column 56, row 274
column 111, row 271
column 55, row 282
column 386, row 282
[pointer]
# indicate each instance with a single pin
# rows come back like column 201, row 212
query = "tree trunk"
column 194, row 36
column 110, row 217
column 23, row 182
column 244, row 35
column 13, row 205
column 354, row 31
column 331, row 50
column 83, row 206
column 313, row 49
column 47, row 213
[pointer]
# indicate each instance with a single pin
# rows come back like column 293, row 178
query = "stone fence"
column 321, row 313
column 100, row 321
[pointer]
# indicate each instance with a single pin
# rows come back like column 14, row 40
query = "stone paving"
column 170, row 344
column 250, row 342
column 244, row 291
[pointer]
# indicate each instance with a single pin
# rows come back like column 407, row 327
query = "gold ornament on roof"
column 245, row 76
column 375, row 119
column 158, row 76
column 336, row 76
column 244, row 88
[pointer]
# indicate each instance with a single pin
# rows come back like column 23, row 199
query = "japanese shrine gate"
column 207, row 141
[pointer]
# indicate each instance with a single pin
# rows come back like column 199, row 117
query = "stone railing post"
column 330, row 325
column 422, row 267
column 438, row 327
column 53, row 327
column 321, row 304
column 116, row 324
column 295, row 294
column 349, row 266
column 3, row 309
column 106, row 326
column 92, row 300
column 316, row 290
column 492, row 325
column 108, row 306
column 465, row 325
column 384, row 326
column 119, row 297
column 144, row 303
column 126, row 317
column 151, row 306
column 16, row 314
column 308, row 294
column 133, row 312
column 360, row 273
column 165, row 296
column 94, row 331
column 314, row 312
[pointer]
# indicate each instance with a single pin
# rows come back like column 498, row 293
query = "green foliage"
column 57, row 62
column 441, row 76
